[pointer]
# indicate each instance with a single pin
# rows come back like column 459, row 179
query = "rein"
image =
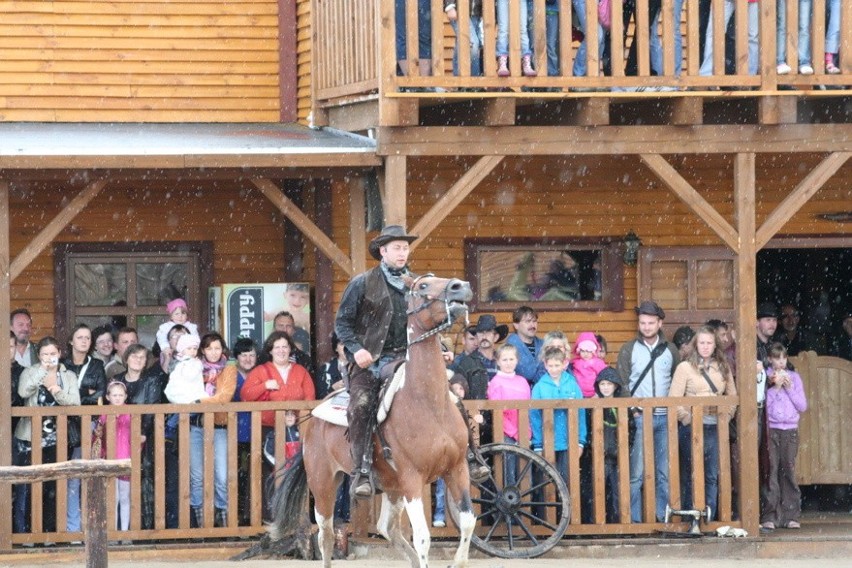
column 446, row 324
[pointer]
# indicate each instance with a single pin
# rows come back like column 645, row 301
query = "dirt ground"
column 481, row 563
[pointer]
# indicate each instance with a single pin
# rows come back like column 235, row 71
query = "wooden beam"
column 592, row 111
column 448, row 202
column 324, row 287
column 310, row 230
column 799, row 196
column 54, row 227
column 687, row 111
column 499, row 112
column 705, row 211
column 5, row 364
column 358, row 225
column 777, row 110
column 607, row 140
column 746, row 295
column 394, row 190
column 294, row 243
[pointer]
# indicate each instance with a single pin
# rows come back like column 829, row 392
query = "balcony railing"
column 355, row 47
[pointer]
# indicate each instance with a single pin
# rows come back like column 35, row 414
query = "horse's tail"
column 289, row 499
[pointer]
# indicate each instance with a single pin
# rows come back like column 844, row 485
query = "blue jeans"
column 656, row 46
column 804, row 43
column 440, row 500
column 424, row 31
column 753, row 38
column 580, row 59
column 832, row 30
column 503, row 29
column 661, row 468
column 72, row 498
column 196, row 467
column 475, row 47
column 510, row 464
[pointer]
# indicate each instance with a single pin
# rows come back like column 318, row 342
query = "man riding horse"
column 371, row 323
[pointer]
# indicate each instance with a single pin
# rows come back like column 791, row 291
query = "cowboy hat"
column 388, row 234
column 487, row 322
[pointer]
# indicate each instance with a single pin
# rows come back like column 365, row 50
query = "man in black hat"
column 481, row 365
column 371, row 323
column 645, row 365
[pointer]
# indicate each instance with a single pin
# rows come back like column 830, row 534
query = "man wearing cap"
column 480, row 366
column 791, row 335
column 645, row 365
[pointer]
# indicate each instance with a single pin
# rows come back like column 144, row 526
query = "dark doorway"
column 817, row 281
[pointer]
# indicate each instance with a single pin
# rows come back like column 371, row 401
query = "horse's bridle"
column 446, row 324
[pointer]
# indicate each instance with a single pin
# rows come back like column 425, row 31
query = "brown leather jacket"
column 365, row 313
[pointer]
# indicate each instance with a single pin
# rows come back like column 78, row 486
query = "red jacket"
column 299, row 386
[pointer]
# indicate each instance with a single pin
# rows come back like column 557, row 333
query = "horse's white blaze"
column 467, row 522
column 420, row 536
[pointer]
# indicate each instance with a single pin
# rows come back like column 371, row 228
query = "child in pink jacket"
column 587, row 363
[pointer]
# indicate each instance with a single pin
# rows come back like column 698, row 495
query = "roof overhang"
column 180, row 146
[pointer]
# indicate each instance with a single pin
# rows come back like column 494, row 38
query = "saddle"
column 392, row 375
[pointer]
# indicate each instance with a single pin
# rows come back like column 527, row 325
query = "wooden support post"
column 687, row 111
column 358, row 226
column 294, row 242
column 799, row 196
column 777, row 110
column 5, row 364
column 591, row 111
column 395, row 188
column 324, row 288
column 746, row 285
column 308, row 228
column 96, row 523
column 450, row 200
column 54, row 227
column 705, row 211
column 499, row 112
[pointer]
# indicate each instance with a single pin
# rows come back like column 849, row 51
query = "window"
column 551, row 274
column 128, row 285
column 692, row 284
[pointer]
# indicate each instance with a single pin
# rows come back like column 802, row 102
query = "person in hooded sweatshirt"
column 608, row 385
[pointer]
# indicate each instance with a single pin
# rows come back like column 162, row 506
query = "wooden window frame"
column 612, row 271
column 690, row 255
column 63, row 252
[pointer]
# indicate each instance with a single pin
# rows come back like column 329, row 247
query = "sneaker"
column 806, row 69
column 793, row 525
column 527, row 67
column 783, row 69
column 502, row 66
column 767, row 526
column 831, row 68
column 479, row 473
column 438, row 524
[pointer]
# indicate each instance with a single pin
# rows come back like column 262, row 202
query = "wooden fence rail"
column 825, row 458
column 96, row 473
column 354, row 50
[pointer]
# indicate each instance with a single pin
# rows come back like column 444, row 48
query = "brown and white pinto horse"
column 425, row 431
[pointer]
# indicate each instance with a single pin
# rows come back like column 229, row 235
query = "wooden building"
column 246, row 141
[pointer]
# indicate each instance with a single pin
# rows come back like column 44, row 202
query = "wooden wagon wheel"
column 522, row 515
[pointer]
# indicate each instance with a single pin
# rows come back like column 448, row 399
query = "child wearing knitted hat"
column 186, row 381
column 178, row 314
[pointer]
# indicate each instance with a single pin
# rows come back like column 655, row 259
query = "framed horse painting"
column 550, row 274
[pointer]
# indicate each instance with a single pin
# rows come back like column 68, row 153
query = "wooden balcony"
column 355, row 64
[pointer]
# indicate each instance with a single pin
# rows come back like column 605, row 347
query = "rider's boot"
column 361, row 437
column 476, row 465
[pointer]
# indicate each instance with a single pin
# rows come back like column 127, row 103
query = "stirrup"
column 362, row 486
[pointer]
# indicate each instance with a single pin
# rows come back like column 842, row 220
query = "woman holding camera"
column 47, row 383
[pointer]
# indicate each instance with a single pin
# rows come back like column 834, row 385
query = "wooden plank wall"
column 131, row 61
column 244, row 227
column 594, row 197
